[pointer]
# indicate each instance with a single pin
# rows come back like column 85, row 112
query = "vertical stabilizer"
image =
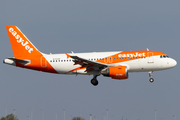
column 26, row 55
column 21, row 46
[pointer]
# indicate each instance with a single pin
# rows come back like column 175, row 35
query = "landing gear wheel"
column 94, row 82
column 151, row 80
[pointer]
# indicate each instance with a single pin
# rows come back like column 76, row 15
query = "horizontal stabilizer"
column 12, row 61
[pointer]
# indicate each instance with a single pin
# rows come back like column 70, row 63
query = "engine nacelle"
column 116, row 72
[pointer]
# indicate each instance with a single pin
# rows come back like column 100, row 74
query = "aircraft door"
column 150, row 57
column 43, row 62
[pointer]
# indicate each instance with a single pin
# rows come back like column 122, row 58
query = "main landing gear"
column 94, row 81
column 150, row 75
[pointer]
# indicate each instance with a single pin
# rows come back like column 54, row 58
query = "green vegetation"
column 77, row 118
column 10, row 117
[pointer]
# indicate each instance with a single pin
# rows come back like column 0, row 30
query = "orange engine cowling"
column 117, row 72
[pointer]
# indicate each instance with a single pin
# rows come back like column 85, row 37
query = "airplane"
column 116, row 64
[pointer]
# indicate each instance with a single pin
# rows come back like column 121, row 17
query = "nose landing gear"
column 151, row 80
column 150, row 75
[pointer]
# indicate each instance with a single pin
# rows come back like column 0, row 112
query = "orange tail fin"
column 21, row 46
column 25, row 53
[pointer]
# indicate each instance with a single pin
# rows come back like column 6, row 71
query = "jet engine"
column 116, row 72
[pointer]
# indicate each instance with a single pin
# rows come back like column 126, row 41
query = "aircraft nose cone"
column 173, row 63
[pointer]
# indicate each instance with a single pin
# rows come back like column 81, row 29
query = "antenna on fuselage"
column 147, row 49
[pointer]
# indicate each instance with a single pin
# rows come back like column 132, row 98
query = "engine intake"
column 117, row 72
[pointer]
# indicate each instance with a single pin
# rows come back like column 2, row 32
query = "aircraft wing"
column 85, row 63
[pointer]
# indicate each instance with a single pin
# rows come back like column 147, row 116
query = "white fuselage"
column 154, row 63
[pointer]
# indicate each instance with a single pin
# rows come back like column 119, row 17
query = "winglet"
column 68, row 55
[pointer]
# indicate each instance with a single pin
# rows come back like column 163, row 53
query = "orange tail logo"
column 25, row 52
column 20, row 44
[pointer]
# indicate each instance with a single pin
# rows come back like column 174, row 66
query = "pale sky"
column 62, row 26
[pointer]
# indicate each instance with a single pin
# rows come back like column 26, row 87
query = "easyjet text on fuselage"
column 133, row 55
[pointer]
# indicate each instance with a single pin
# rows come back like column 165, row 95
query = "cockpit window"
column 164, row 56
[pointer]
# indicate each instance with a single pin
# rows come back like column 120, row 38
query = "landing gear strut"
column 150, row 75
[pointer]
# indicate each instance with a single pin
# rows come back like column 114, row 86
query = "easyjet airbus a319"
column 116, row 65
